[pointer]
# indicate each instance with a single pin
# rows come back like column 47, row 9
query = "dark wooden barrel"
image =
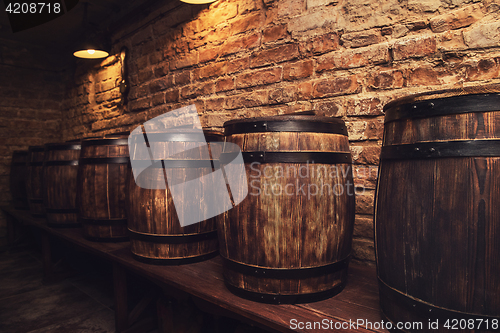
column 437, row 215
column 156, row 235
column 17, row 179
column 59, row 183
column 101, row 185
column 34, row 180
column 289, row 240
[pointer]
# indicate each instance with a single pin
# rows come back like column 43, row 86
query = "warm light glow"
column 198, row 2
column 91, row 54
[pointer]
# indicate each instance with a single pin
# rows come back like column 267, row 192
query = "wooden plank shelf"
column 203, row 282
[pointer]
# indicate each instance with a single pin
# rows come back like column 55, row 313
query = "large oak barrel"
column 34, row 180
column 101, row 184
column 156, row 234
column 437, row 215
column 290, row 239
column 59, row 183
column 17, row 179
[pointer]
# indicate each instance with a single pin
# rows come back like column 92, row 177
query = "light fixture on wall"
column 89, row 48
column 198, row 2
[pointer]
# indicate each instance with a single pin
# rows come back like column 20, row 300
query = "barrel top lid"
column 443, row 102
column 286, row 123
column 111, row 141
column 36, row 148
column 20, row 152
column 68, row 145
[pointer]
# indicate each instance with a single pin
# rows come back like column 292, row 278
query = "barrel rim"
column 104, row 142
column 286, row 123
column 36, row 149
column 62, row 146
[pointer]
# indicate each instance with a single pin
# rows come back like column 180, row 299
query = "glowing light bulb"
column 91, row 51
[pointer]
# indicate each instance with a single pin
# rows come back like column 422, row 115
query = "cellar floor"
column 81, row 303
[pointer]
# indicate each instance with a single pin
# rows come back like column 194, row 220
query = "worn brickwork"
column 247, row 58
column 31, row 94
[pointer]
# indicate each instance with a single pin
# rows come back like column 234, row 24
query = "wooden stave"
column 271, row 290
column 167, row 253
column 17, row 179
column 34, row 180
column 431, row 297
column 101, row 224
column 60, row 174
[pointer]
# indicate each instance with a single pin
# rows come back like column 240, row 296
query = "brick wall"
column 247, row 58
column 31, row 92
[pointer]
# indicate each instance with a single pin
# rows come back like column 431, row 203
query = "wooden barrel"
column 156, row 235
column 437, row 215
column 34, row 180
column 59, row 183
column 101, row 185
column 289, row 240
column 17, row 179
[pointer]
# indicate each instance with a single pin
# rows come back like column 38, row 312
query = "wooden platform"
column 357, row 304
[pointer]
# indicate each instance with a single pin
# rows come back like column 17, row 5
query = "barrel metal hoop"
column 178, row 137
column 444, row 106
column 55, row 163
column 285, row 126
column 285, row 273
column 425, row 309
column 173, row 239
column 104, row 160
column 175, row 261
column 285, row 299
column 291, row 157
column 67, row 146
column 104, row 222
column 468, row 148
column 105, row 142
column 61, row 210
column 172, row 164
column 36, row 149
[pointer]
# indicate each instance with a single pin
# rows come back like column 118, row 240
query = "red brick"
column 138, row 104
column 252, row 99
column 364, row 202
column 282, row 95
column 139, row 91
column 145, row 75
column 246, row 6
column 172, row 96
column 215, row 104
column 208, row 54
column 142, row 36
column 274, row 33
column 336, row 86
column 247, row 22
column 162, row 69
column 155, row 58
column 456, row 19
column 386, row 80
column 214, row 69
column 240, row 43
column 158, row 99
column 187, row 60
column 365, row 107
column 483, row 69
column 182, row 78
column 328, row 109
column 259, row 77
column 450, row 41
column 161, row 84
column 305, row 91
column 197, row 90
column 361, row 38
column 298, row 70
column 224, row 84
column 483, row 35
column 414, row 47
column 291, row 8
column 237, row 65
column 423, row 76
column 363, row 226
column 325, row 43
column 352, row 58
column 219, row 13
column 275, row 55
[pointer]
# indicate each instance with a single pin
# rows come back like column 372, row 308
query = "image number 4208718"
column 25, row 15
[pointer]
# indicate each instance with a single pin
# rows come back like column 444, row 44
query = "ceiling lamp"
column 89, row 49
column 198, row 2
